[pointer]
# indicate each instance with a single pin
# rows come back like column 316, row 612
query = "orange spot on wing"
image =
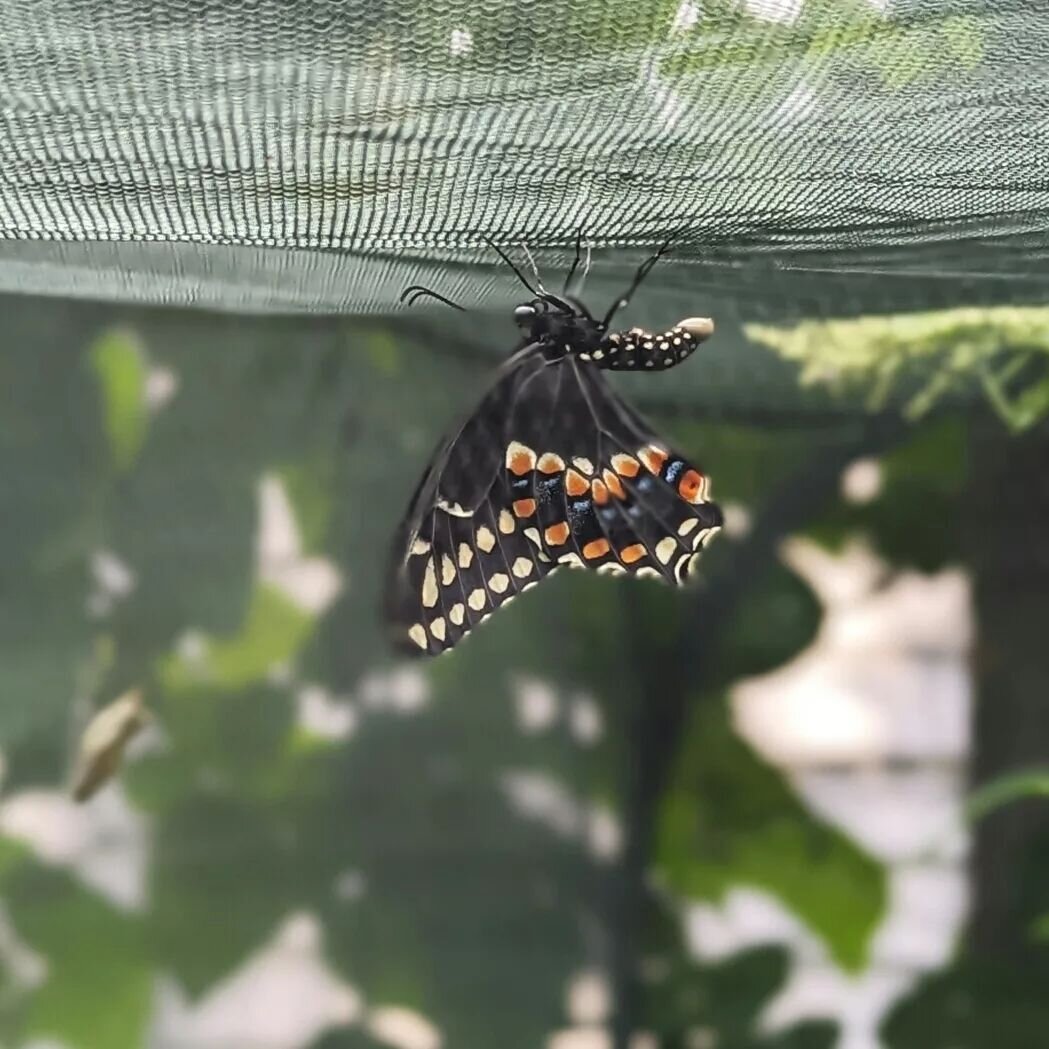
column 652, row 457
column 625, row 465
column 550, row 463
column 615, row 485
column 519, row 459
column 524, row 507
column 600, row 492
column 558, row 534
column 690, row 487
column 575, row 483
column 632, row 554
column 595, row 548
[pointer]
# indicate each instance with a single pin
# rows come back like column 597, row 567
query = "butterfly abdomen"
column 637, row 350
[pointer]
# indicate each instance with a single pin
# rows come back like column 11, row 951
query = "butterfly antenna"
column 535, row 269
column 575, row 261
column 417, row 291
column 506, row 258
column 642, row 272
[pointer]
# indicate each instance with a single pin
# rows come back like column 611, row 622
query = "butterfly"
column 551, row 469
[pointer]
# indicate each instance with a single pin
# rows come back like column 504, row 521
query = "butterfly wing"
column 551, row 469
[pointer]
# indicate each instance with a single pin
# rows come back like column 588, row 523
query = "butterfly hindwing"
column 552, row 469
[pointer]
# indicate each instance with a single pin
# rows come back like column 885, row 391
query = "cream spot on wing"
column 454, row 509
column 430, row 585
column 418, row 635
column 466, row 555
column 611, row 568
column 420, row 546
column 499, row 582
column 485, row 539
column 665, row 549
column 477, row 599
column 686, row 526
column 704, row 537
column 533, row 535
column 447, row 569
column 520, row 459
column 550, row 463
column 456, row 613
column 573, row 560
column 648, row 573
column 584, row 465
column 681, row 569
column 528, row 586
column 523, row 566
column 506, row 522
column 437, row 628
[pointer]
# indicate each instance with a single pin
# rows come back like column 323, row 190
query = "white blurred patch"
column 104, row 842
column 685, row 17
column 870, row 724
column 588, row 999
column 536, row 705
column 580, row 1038
column 402, row 1028
column 283, row 997
column 540, row 797
column 462, row 42
column 350, row 886
column 737, row 521
column 886, row 676
column 192, row 647
column 161, row 386
column 861, row 481
column 585, row 720
column 403, row 690
column 321, row 714
column 783, row 11
column 604, row 833
column 23, row 968
column 111, row 582
column 311, row 583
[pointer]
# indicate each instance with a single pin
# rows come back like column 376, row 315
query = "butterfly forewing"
column 551, row 469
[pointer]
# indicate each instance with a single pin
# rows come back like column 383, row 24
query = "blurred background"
column 799, row 805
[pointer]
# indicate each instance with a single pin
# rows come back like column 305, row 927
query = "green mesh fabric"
column 812, row 157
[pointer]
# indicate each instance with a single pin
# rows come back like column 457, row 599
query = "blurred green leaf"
column 927, row 356
column 99, row 988
column 272, row 632
column 728, row 819
column 1012, row 787
column 120, row 368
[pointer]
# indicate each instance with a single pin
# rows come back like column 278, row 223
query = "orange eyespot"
column 524, row 507
column 632, row 554
column 690, row 487
column 600, row 492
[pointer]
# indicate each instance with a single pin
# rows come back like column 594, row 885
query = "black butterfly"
column 552, row 468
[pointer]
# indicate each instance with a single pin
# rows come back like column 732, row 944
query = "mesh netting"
column 812, row 157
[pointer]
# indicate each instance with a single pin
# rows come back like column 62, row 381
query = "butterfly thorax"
column 558, row 327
